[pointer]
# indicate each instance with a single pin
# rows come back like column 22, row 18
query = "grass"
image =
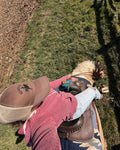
column 58, row 36
column 63, row 33
column 8, row 139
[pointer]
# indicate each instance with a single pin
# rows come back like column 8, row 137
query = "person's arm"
column 84, row 99
column 54, row 84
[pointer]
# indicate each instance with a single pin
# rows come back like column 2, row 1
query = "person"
column 42, row 109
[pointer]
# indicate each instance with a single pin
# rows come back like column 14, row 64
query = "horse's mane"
column 85, row 70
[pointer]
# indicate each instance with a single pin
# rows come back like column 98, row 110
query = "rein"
column 79, row 78
column 82, row 78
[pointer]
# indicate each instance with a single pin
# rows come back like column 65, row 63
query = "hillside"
column 50, row 38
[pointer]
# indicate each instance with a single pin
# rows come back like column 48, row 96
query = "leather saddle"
column 80, row 129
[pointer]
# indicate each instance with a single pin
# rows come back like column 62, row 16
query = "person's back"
column 41, row 129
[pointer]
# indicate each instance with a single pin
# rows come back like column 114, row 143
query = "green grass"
column 61, row 34
column 59, row 37
column 8, row 139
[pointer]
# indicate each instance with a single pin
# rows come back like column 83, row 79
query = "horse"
column 82, row 130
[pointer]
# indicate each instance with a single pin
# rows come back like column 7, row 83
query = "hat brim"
column 11, row 114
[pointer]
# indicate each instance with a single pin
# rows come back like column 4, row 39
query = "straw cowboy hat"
column 17, row 100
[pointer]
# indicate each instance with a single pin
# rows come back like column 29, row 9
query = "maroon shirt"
column 41, row 128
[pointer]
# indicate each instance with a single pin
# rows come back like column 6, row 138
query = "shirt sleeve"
column 84, row 99
column 54, row 84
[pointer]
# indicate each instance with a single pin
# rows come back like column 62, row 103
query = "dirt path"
column 14, row 14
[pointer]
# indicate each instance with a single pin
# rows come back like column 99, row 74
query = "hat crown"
column 18, row 95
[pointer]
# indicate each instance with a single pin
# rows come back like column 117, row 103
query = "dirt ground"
column 14, row 15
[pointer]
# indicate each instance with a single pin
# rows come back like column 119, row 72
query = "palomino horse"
column 89, row 70
column 83, row 130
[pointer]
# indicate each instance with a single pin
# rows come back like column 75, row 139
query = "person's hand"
column 69, row 75
column 73, row 79
column 101, row 96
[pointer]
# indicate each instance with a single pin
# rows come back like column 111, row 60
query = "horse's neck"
column 89, row 78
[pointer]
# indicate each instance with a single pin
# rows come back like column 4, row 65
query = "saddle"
column 80, row 129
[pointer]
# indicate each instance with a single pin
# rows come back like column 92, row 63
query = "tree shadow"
column 107, row 48
column 116, row 147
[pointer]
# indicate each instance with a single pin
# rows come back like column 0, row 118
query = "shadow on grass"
column 109, row 48
column 116, row 147
column 19, row 137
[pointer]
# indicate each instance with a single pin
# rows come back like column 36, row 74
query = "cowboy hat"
column 17, row 100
